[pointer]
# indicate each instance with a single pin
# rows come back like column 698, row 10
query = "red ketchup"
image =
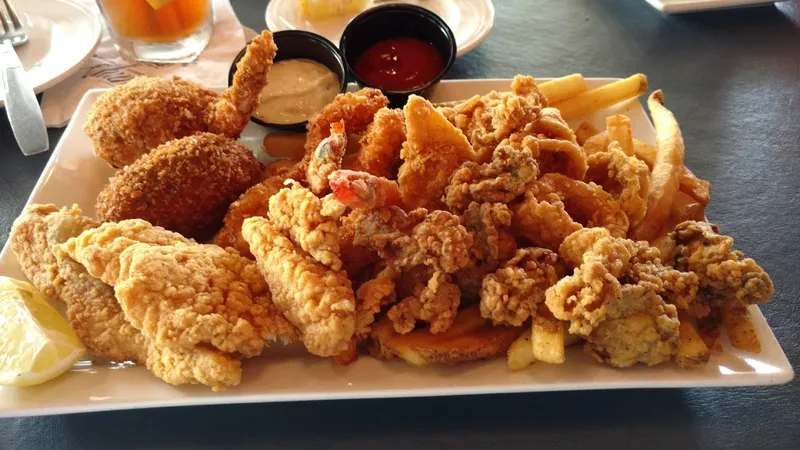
column 399, row 64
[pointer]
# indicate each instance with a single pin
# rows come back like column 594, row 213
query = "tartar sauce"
column 297, row 89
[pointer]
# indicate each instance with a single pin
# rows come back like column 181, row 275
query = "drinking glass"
column 162, row 31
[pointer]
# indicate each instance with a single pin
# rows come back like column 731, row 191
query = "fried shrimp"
column 327, row 158
column 131, row 119
column 362, row 190
column 381, row 144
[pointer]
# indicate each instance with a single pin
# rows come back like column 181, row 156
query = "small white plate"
column 470, row 20
column 684, row 6
column 291, row 374
column 62, row 35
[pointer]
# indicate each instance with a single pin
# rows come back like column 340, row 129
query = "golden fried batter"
column 510, row 173
column 433, row 150
column 185, row 185
column 316, row 299
column 638, row 328
column 301, row 215
column 132, row 119
column 510, row 295
column 98, row 249
column 381, row 144
column 436, row 303
column 33, row 235
column 625, row 177
column 724, row 273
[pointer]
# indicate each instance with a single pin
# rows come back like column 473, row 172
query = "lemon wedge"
column 36, row 343
column 155, row 4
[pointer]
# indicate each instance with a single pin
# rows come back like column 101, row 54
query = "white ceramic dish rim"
column 686, row 6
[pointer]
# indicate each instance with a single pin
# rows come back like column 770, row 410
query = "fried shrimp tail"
column 231, row 112
column 327, row 158
column 362, row 190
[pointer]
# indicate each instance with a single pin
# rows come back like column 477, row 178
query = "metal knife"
column 22, row 108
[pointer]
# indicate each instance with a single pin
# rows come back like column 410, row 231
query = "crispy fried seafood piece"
column 327, row 158
column 372, row 296
column 184, row 185
column 433, row 150
column 545, row 223
column 561, row 156
column 230, row 114
column 253, row 203
column 489, row 119
column 131, row 119
column 316, row 299
column 511, row 294
column 583, row 297
column 510, row 173
column 489, row 224
column 381, row 144
column 97, row 318
column 558, row 205
column 639, row 327
column 363, row 190
column 435, row 303
column 356, row 109
column 311, row 222
column 198, row 295
column 99, row 249
column 33, row 235
column 724, row 273
column 625, row 177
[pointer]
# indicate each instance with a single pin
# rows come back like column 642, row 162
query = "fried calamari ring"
column 586, row 203
column 561, row 156
column 625, row 177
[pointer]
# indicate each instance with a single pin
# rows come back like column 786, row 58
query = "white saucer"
column 62, row 35
column 470, row 20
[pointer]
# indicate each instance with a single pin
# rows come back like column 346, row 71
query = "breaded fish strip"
column 316, row 299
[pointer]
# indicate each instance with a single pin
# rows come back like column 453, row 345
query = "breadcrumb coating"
column 316, row 299
column 510, row 295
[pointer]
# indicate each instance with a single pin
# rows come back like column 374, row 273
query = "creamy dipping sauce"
column 297, row 89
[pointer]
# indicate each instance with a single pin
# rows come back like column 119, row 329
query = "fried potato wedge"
column 560, row 89
column 548, row 337
column 520, row 354
column 741, row 332
column 602, row 97
column 710, row 329
column 470, row 338
column 686, row 208
column 692, row 351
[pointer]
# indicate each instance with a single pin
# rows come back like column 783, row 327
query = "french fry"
column 692, row 351
column 665, row 177
column 548, row 337
column 686, row 208
column 560, row 89
column 741, row 331
column 619, row 129
column 520, row 354
column 698, row 189
column 602, row 97
column 646, row 152
column 584, row 132
column 597, row 143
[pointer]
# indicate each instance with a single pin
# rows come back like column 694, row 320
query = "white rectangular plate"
column 74, row 175
column 685, row 6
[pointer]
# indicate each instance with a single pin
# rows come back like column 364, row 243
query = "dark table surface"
column 733, row 80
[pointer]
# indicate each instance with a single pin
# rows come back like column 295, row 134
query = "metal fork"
column 10, row 27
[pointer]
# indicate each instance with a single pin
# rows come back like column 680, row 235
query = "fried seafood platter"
column 475, row 242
